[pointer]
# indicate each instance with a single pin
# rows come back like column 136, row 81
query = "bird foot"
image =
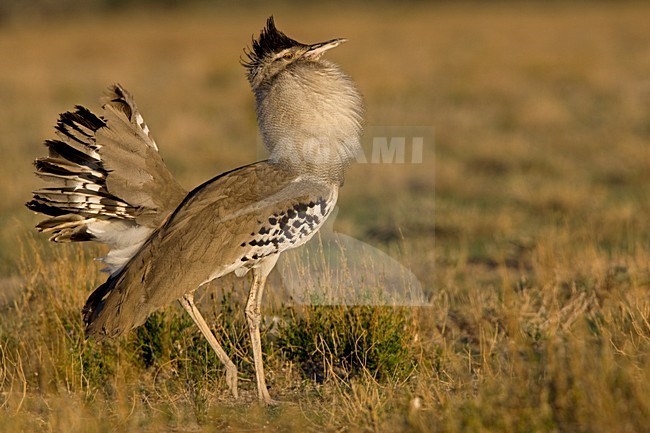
column 271, row 402
column 231, row 381
column 266, row 399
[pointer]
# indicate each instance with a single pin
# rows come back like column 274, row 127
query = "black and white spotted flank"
column 286, row 229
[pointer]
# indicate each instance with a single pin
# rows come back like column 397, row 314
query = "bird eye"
column 287, row 56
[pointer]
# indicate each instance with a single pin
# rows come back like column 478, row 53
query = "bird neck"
column 310, row 118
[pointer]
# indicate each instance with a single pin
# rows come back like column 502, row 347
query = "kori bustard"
column 108, row 183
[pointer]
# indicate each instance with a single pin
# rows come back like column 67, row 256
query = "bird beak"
column 317, row 50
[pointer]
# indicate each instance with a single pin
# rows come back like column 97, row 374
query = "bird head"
column 273, row 52
column 308, row 110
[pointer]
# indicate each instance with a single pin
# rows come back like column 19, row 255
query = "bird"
column 107, row 182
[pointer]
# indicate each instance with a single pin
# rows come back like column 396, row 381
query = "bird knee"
column 253, row 316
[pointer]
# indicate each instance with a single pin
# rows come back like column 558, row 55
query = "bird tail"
column 78, row 195
column 106, row 180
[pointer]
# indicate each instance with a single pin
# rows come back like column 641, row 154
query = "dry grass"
column 527, row 224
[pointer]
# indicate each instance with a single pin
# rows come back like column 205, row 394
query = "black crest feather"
column 271, row 40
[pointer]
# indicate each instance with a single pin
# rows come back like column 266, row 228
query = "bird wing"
column 231, row 222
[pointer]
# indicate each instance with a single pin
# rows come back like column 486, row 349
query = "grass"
column 526, row 224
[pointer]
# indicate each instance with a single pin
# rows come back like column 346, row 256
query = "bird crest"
column 270, row 41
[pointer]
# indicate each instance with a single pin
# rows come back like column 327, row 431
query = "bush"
column 348, row 341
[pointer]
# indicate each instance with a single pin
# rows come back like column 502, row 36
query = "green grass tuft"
column 349, row 341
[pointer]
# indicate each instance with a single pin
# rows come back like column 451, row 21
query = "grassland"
column 527, row 224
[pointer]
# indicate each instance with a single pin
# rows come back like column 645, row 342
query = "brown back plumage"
column 227, row 224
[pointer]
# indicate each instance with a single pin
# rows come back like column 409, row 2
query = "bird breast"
column 310, row 117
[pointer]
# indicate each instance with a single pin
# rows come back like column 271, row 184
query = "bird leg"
column 187, row 301
column 254, row 317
